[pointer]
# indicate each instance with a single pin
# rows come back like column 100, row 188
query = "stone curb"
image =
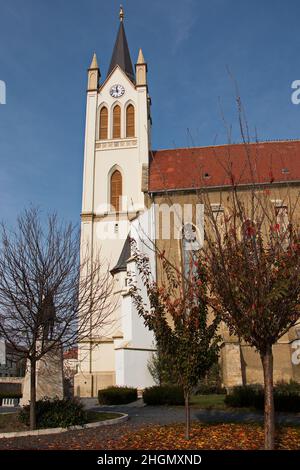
column 42, row 432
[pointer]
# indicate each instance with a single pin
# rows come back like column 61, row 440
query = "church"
column 124, row 182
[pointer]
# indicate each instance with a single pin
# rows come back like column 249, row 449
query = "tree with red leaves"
column 178, row 316
column 253, row 256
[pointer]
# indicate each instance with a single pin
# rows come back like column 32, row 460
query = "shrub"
column 287, row 402
column 164, row 395
column 288, row 387
column 207, row 389
column 55, row 413
column 117, row 395
column 244, row 396
column 286, row 397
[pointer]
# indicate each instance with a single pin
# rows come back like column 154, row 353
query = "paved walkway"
column 143, row 415
column 140, row 414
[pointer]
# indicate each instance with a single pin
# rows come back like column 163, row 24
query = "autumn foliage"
column 178, row 316
column 171, row 437
column 209, row 437
column 252, row 249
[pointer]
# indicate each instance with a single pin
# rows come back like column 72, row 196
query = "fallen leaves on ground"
column 128, row 436
column 218, row 436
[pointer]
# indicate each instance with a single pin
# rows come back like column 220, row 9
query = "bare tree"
column 49, row 297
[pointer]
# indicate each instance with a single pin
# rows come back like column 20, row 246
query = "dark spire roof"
column 121, row 54
column 124, row 256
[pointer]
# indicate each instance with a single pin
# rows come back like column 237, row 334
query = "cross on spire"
column 121, row 13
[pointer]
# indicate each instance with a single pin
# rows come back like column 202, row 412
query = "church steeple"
column 121, row 54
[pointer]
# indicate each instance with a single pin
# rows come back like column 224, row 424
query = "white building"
column 12, row 362
column 116, row 153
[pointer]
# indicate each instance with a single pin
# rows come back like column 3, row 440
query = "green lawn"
column 208, row 402
column 94, row 416
column 10, row 423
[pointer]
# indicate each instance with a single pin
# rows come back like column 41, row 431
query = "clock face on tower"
column 117, row 91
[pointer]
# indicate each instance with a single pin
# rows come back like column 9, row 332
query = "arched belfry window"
column 130, row 124
column 117, row 122
column 116, row 190
column 103, row 134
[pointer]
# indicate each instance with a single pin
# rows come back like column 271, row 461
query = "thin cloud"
column 182, row 22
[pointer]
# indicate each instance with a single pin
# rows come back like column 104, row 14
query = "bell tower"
column 116, row 154
column 117, row 134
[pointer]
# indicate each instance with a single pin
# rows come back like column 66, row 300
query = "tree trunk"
column 32, row 394
column 269, row 417
column 187, row 415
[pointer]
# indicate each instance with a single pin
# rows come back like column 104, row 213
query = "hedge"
column 117, row 395
column 163, row 395
column 286, row 397
column 206, row 389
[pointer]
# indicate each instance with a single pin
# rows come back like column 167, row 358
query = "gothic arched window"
column 130, row 124
column 103, row 134
column 117, row 122
column 116, row 190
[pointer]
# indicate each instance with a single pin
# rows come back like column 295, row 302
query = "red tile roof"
column 71, row 354
column 197, row 167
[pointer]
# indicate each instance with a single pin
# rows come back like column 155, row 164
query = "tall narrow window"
column 103, row 123
column 190, row 247
column 130, row 121
column 117, row 122
column 116, row 190
column 282, row 227
column 249, row 231
column 219, row 225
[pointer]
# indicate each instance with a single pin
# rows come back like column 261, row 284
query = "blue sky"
column 47, row 45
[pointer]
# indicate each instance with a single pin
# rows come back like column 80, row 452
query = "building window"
column 116, row 191
column 218, row 222
column 282, row 226
column 130, row 121
column 117, row 122
column 103, row 123
column 190, row 246
column 249, row 231
column 282, row 218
